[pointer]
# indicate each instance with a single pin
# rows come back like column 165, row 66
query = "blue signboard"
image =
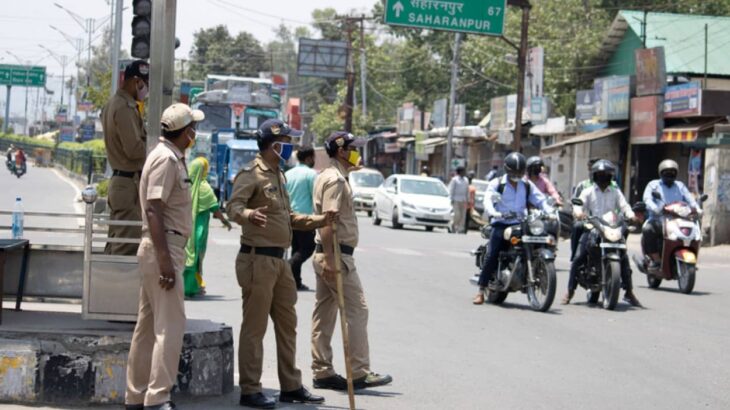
column 585, row 108
column 683, row 100
column 87, row 131
column 619, row 98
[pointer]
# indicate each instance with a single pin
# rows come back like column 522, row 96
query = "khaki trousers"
column 158, row 337
column 268, row 289
column 457, row 225
column 324, row 318
column 123, row 205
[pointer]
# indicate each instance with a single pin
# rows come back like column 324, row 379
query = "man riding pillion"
column 516, row 193
column 598, row 199
column 670, row 190
column 541, row 181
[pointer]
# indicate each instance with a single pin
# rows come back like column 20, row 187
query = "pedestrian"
column 125, row 141
column 425, row 172
column 20, row 160
column 154, row 353
column 459, row 195
column 536, row 175
column 260, row 204
column 204, row 203
column 471, row 200
column 332, row 192
column 493, row 173
column 300, row 186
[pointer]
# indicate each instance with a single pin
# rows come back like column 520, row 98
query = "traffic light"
column 141, row 28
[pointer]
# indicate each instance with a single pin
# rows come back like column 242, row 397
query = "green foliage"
column 215, row 51
column 102, row 188
column 22, row 139
column 99, row 89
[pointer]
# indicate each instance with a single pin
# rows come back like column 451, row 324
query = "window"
column 423, row 187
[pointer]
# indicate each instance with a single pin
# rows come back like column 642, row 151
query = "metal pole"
column 25, row 128
column 63, row 78
column 452, row 102
column 162, row 48
column 89, row 30
column 363, row 68
column 517, row 140
column 7, row 110
column 116, row 44
column 349, row 98
column 704, row 85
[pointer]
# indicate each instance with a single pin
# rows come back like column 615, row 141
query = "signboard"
column 683, row 100
column 85, row 106
column 647, row 119
column 498, row 107
column 322, row 58
column 585, row 108
column 651, row 73
column 460, row 115
column 598, row 103
column 67, row 134
column 87, row 131
column 391, row 147
column 439, row 113
column 421, row 153
column 539, row 110
column 21, row 75
column 534, row 77
column 468, row 16
column 615, row 95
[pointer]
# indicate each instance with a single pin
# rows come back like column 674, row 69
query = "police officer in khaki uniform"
column 260, row 204
column 125, row 140
column 166, row 225
column 332, row 192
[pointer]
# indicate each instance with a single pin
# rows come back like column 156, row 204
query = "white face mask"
column 142, row 92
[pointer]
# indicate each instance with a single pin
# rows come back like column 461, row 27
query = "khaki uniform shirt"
column 332, row 192
column 124, row 135
column 258, row 185
column 165, row 177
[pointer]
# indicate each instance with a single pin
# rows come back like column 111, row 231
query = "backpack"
column 528, row 188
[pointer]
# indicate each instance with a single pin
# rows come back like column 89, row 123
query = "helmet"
column 667, row 165
column 534, row 165
column 515, row 164
column 603, row 165
column 471, row 174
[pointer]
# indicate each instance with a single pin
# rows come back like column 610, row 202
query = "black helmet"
column 603, row 165
column 515, row 164
column 534, row 165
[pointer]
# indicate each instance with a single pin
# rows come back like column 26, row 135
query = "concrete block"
column 18, row 370
column 68, row 379
column 110, row 372
column 227, row 353
column 206, row 372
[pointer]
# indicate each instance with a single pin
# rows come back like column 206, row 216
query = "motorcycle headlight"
column 613, row 234
column 537, row 227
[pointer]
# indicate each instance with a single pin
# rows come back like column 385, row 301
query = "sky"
column 24, row 25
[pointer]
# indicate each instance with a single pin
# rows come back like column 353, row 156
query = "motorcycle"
column 601, row 274
column 18, row 171
column 681, row 246
column 528, row 265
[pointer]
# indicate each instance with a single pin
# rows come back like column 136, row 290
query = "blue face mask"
column 285, row 150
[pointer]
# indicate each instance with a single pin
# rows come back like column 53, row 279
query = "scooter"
column 19, row 171
column 681, row 247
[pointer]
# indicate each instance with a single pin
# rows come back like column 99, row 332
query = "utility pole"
column 643, row 29
column 522, row 64
column 89, row 30
column 63, row 60
column 704, row 83
column 363, row 68
column 452, row 102
column 116, row 44
column 349, row 98
column 162, row 66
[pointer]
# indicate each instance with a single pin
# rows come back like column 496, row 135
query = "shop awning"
column 470, row 131
column 588, row 137
column 687, row 132
column 434, row 141
column 406, row 140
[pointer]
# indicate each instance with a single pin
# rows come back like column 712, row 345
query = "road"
column 445, row 353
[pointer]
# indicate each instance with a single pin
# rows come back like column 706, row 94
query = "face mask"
column 285, row 150
column 354, row 158
column 602, row 180
column 142, row 92
column 534, row 171
column 191, row 141
column 669, row 179
column 514, row 178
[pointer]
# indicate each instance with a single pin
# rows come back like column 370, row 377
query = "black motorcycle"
column 528, row 265
column 606, row 249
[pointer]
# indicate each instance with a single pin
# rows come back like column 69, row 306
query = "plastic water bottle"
column 18, row 219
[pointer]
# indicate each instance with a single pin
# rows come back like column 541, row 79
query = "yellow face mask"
column 354, row 158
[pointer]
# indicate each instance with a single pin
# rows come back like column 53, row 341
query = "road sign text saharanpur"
column 484, row 17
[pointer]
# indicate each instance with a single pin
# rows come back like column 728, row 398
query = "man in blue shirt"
column 514, row 193
column 300, row 185
column 670, row 190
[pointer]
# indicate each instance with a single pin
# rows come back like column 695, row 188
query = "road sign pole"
column 452, row 103
column 6, row 120
column 116, row 44
column 522, row 64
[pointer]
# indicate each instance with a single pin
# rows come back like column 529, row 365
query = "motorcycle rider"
column 541, row 181
column 671, row 190
column 516, row 192
column 598, row 199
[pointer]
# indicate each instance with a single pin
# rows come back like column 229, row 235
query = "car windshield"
column 239, row 158
column 216, row 116
column 366, row 179
column 481, row 186
column 423, row 187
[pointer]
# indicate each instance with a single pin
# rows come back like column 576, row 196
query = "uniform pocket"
column 244, row 270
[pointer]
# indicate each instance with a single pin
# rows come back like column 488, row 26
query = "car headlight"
column 537, row 227
column 613, row 234
column 408, row 205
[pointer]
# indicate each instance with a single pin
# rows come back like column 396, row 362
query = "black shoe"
column 302, row 287
column 134, row 407
column 257, row 400
column 164, row 406
column 372, row 380
column 335, row 382
column 300, row 395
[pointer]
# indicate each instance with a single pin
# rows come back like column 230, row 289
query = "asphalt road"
column 445, row 353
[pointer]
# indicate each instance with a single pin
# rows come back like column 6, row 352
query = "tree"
column 215, row 51
column 100, row 69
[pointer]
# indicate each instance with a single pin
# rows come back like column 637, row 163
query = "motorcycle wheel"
column 496, row 297
column 542, row 293
column 686, row 277
column 611, row 284
column 592, row 297
column 653, row 281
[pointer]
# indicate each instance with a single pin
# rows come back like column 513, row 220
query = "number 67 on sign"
column 485, row 17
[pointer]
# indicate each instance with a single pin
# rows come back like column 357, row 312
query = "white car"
column 413, row 200
column 364, row 183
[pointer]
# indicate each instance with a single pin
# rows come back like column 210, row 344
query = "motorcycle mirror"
column 704, row 198
column 577, row 202
column 656, row 195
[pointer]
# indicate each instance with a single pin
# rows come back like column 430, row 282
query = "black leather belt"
column 264, row 251
column 347, row 250
column 125, row 174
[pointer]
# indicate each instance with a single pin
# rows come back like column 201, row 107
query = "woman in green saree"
column 204, row 203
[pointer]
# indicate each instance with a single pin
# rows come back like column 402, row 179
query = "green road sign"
column 468, row 16
column 21, row 75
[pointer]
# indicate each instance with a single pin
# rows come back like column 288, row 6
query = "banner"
column 651, row 73
column 683, row 100
column 647, row 119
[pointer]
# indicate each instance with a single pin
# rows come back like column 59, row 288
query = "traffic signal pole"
column 452, row 104
column 162, row 64
column 6, row 120
column 116, row 44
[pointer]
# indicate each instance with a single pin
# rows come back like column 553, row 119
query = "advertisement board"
column 618, row 94
column 498, row 109
column 421, row 154
column 585, row 108
column 651, row 73
column 683, row 100
column 647, row 119
column 439, row 113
